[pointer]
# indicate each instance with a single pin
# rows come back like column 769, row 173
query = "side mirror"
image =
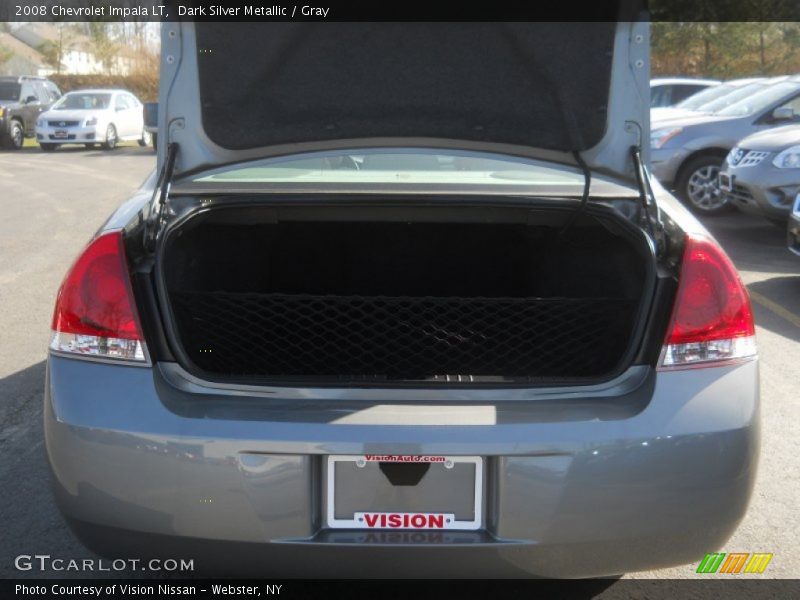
column 30, row 99
column 783, row 113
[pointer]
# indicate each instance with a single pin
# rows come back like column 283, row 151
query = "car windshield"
column 707, row 95
column 732, row 97
column 760, row 100
column 83, row 101
column 398, row 166
column 9, row 90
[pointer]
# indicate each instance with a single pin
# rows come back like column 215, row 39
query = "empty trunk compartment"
column 488, row 296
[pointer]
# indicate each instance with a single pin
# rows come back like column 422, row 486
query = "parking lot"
column 50, row 204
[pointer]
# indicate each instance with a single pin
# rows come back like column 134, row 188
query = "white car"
column 668, row 91
column 89, row 117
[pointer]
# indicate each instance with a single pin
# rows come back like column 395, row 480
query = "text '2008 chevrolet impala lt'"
column 399, row 302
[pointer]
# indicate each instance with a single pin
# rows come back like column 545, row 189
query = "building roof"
column 35, row 34
column 21, row 49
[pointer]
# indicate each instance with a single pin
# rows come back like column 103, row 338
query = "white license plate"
column 60, row 134
column 376, row 512
column 725, row 182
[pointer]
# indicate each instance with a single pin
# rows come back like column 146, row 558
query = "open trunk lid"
column 242, row 91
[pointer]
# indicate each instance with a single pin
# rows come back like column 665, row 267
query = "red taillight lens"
column 95, row 311
column 712, row 319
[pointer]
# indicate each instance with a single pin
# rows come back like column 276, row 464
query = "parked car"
column 151, row 121
column 669, row 91
column 687, row 153
column 491, row 349
column 22, row 100
column 761, row 174
column 89, row 117
column 697, row 102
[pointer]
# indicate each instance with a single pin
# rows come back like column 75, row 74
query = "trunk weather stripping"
column 155, row 219
column 651, row 214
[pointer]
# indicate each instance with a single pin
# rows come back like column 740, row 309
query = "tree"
column 5, row 54
column 103, row 47
column 725, row 49
column 54, row 51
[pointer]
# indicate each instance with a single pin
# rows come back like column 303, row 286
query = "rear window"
column 660, row 96
column 682, row 92
column 9, row 90
column 398, row 166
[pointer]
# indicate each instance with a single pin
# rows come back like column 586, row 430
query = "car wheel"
column 145, row 139
column 155, row 140
column 89, row 146
column 16, row 137
column 698, row 185
column 111, row 138
column 48, row 147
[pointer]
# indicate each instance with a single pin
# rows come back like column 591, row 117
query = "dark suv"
column 22, row 99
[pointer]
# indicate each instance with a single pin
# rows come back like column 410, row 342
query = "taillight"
column 712, row 320
column 95, row 312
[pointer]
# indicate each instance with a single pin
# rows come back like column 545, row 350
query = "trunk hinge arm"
column 155, row 219
column 651, row 214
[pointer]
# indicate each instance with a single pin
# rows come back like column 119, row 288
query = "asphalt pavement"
column 51, row 204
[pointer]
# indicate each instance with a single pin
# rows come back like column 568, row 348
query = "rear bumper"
column 657, row 476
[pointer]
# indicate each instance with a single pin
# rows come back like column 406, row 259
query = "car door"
column 794, row 105
column 32, row 106
column 121, row 117
column 768, row 121
column 136, row 115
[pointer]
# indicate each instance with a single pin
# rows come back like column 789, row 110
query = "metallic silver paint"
column 579, row 488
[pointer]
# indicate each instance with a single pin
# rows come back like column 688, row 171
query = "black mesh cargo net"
column 401, row 338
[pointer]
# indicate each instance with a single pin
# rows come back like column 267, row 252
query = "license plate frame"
column 725, row 182
column 60, row 134
column 448, row 522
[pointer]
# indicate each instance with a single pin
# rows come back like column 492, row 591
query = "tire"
column 48, row 147
column 111, row 138
column 89, row 146
column 154, row 136
column 697, row 185
column 146, row 138
column 16, row 136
